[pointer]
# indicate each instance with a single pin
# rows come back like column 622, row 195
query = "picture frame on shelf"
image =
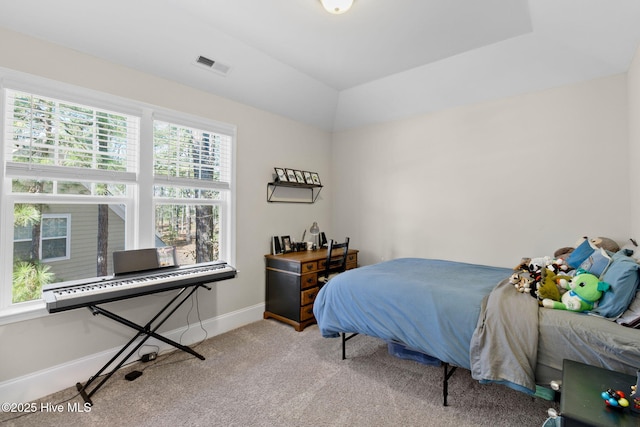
column 286, row 244
column 291, row 175
column 307, row 177
column 299, row 177
column 282, row 175
column 315, row 178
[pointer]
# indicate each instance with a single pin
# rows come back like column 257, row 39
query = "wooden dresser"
column 292, row 285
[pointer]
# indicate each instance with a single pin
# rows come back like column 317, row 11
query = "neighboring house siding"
column 84, row 240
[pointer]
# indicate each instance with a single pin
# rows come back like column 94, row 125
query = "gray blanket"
column 504, row 345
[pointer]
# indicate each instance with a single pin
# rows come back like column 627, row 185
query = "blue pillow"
column 622, row 276
column 596, row 263
column 579, row 254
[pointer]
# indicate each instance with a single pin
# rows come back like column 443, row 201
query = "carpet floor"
column 267, row 374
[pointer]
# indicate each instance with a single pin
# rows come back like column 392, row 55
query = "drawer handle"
column 309, row 279
column 309, row 267
column 312, row 296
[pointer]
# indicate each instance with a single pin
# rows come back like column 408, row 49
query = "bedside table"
column 580, row 400
column 292, row 285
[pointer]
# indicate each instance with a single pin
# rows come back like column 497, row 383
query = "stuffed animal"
column 550, row 285
column 559, row 265
column 605, row 243
column 529, row 275
column 563, row 252
column 526, row 276
column 584, row 290
column 521, row 281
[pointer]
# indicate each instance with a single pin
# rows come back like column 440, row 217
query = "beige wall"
column 489, row 183
column 264, row 141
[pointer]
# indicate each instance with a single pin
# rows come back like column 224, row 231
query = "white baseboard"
column 33, row 386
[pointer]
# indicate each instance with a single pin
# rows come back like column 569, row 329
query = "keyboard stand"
column 147, row 331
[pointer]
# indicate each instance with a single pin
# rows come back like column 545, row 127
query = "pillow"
column 597, row 262
column 631, row 317
column 622, row 276
column 579, row 254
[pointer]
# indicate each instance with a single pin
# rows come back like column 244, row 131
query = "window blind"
column 52, row 138
column 186, row 156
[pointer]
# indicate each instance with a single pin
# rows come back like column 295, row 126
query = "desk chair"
column 336, row 262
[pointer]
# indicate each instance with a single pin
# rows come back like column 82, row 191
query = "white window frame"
column 66, row 237
column 227, row 202
column 140, row 204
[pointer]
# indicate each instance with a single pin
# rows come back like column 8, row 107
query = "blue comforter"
column 431, row 306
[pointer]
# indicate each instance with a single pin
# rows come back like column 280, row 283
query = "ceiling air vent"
column 210, row 64
column 205, row 61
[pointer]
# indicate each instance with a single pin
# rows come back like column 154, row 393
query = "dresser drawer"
column 352, row 261
column 308, row 267
column 287, row 264
column 309, row 296
column 306, row 312
column 308, row 280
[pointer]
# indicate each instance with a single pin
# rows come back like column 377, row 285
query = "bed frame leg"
column 345, row 338
column 445, row 384
column 448, row 369
column 344, row 348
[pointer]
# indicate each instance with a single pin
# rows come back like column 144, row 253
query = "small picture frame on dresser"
column 286, row 244
column 276, row 248
column 281, row 174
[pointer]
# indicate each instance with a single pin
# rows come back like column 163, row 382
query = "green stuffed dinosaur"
column 584, row 290
column 549, row 286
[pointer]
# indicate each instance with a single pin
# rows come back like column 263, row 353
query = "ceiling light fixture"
column 337, row 6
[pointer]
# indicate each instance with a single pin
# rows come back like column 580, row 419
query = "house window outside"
column 77, row 177
column 53, row 238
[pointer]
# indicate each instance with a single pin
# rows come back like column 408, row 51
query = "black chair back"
column 336, row 259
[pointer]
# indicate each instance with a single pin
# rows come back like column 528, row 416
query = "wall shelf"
column 312, row 190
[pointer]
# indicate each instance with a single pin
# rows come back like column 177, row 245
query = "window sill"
column 22, row 312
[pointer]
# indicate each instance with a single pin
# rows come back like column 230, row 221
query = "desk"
column 581, row 403
column 292, row 285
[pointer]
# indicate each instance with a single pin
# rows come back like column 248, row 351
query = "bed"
column 471, row 316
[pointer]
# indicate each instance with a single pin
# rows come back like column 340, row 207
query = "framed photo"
column 282, row 176
column 299, row 177
column 286, row 244
column 307, row 177
column 315, row 178
column 291, row 175
column 275, row 245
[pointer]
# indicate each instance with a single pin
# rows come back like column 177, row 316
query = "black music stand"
column 147, row 331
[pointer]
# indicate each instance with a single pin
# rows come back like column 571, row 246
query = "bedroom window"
column 192, row 181
column 86, row 174
column 62, row 159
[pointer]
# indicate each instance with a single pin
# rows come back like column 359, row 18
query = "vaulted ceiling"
column 382, row 60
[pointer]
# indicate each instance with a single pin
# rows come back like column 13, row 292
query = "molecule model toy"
column 615, row 399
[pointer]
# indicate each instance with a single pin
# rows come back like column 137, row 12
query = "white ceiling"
column 382, row 60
